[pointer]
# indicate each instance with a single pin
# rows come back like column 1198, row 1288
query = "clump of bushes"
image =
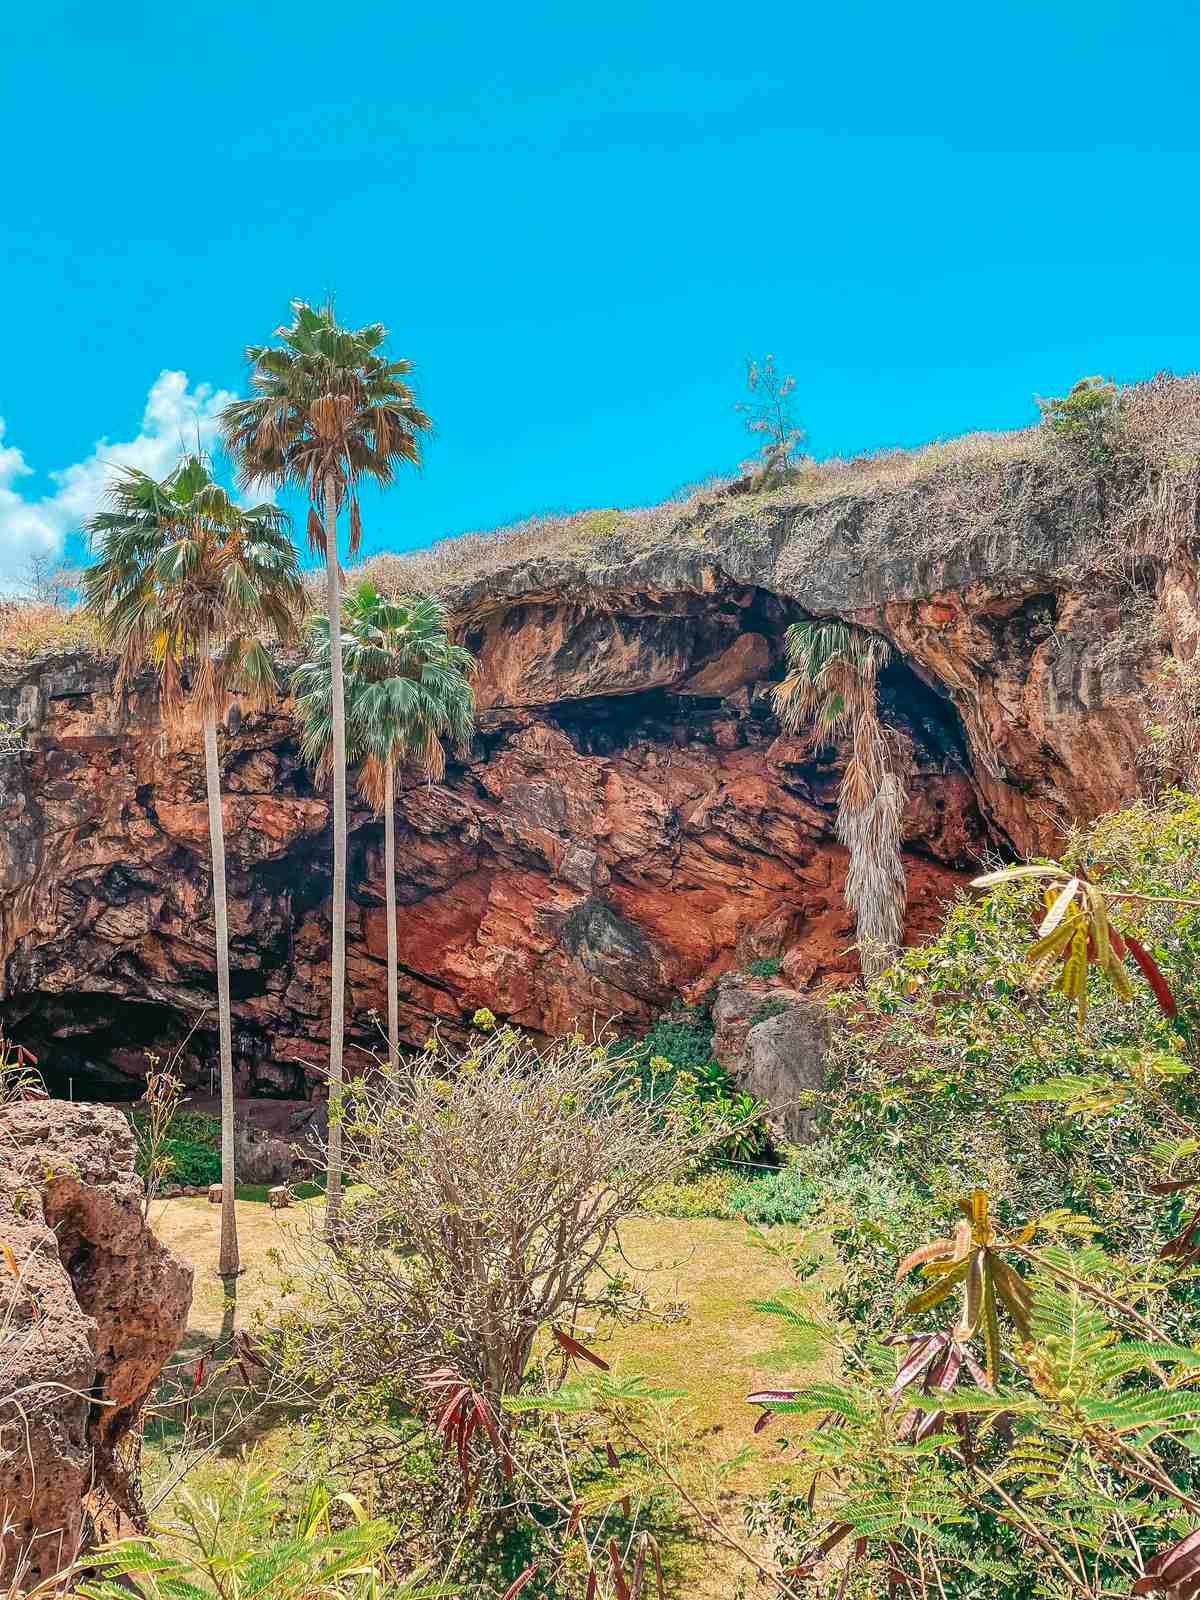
column 676, row 1056
column 1086, row 421
column 189, row 1153
column 1008, row 1182
column 474, row 1260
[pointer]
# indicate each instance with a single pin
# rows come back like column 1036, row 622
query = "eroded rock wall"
column 92, row 1306
column 629, row 824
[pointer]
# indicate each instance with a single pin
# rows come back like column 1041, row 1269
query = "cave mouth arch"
column 97, row 1046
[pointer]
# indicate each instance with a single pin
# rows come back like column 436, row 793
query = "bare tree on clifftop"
column 187, row 581
column 329, row 409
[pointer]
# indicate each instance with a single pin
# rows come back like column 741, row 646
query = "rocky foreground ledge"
column 92, row 1306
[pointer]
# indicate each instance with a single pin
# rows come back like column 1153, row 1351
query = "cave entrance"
column 100, row 1047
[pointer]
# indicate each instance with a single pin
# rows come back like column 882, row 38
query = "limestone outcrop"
column 92, row 1306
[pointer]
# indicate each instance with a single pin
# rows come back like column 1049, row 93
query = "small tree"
column 493, row 1181
column 771, row 421
column 1086, row 421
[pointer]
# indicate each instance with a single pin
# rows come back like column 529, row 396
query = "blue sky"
column 578, row 220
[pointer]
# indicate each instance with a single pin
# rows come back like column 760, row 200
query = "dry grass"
column 704, row 1272
column 35, row 628
column 882, row 505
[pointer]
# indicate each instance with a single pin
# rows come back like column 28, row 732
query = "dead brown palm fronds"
column 832, row 688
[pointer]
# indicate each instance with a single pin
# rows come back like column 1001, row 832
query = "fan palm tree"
column 188, row 581
column 408, row 687
column 832, row 684
column 328, row 410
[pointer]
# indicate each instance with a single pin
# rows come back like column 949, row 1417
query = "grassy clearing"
column 701, row 1273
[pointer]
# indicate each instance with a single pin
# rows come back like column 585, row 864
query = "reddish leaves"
column 519, row 1583
column 1184, row 1248
column 769, row 1398
column 935, row 1361
column 1174, row 1572
column 577, row 1351
column 464, row 1412
column 1152, row 975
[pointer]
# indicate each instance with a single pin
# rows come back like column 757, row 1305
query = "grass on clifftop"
column 916, row 501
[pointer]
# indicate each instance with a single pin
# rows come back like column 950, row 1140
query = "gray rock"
column 260, row 1158
column 783, row 1062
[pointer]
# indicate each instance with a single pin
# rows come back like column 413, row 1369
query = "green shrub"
column 705, row 1195
column 815, row 1187
column 1063, row 1140
column 1086, row 422
column 191, row 1164
column 193, row 1147
column 683, row 1037
column 765, row 967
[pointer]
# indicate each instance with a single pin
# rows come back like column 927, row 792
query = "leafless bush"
column 490, row 1186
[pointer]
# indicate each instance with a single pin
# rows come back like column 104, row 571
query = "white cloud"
column 176, row 418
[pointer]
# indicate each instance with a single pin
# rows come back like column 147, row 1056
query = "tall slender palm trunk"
column 337, row 999
column 228, row 1260
column 393, row 955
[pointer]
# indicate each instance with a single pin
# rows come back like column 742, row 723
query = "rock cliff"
column 630, row 822
column 92, row 1307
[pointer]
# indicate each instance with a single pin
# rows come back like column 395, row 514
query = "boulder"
column 740, row 1003
column 783, row 1061
column 260, row 1157
column 93, row 1306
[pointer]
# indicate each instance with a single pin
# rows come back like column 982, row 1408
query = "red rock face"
column 630, row 825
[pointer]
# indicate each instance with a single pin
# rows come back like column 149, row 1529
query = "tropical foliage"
column 330, row 408
column 243, row 1542
column 1012, row 1406
column 187, row 582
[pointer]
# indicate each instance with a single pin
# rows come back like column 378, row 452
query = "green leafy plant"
column 1086, row 421
column 242, row 1543
column 764, row 967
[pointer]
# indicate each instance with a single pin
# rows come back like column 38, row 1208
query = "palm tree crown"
column 186, row 579
column 408, row 688
column 329, row 408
